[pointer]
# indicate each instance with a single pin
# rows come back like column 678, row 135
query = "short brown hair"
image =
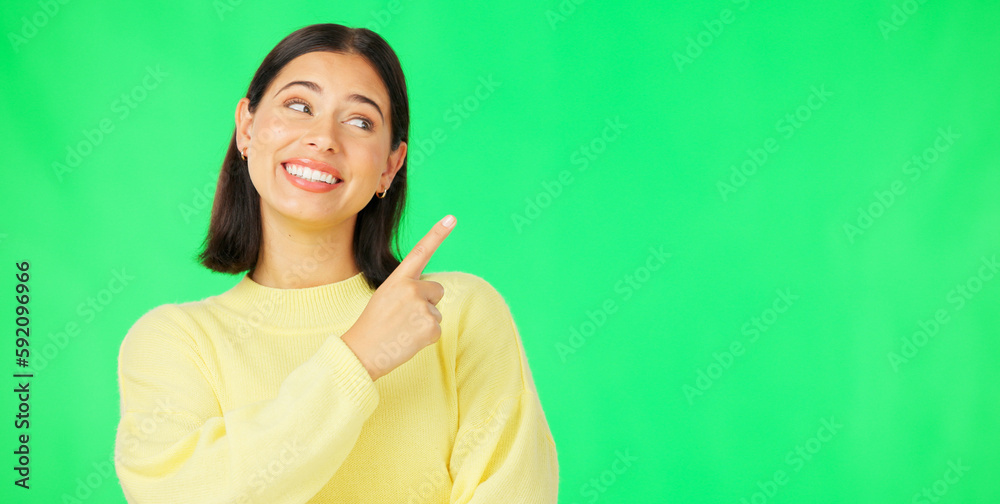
column 234, row 233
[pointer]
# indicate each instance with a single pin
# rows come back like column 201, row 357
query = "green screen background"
column 748, row 138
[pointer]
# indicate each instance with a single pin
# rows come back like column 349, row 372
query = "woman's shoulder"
column 175, row 322
column 467, row 292
column 457, row 279
column 460, row 283
column 173, row 314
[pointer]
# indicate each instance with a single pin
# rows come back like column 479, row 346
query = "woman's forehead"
column 333, row 72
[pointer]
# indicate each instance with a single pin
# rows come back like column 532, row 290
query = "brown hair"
column 234, row 233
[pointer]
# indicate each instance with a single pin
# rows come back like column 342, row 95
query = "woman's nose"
column 322, row 133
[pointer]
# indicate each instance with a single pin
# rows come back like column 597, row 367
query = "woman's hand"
column 401, row 318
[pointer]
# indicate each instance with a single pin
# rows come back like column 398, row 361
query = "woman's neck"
column 292, row 257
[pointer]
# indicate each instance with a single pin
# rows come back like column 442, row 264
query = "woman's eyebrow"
column 359, row 98
column 309, row 84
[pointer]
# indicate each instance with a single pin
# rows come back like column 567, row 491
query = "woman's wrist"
column 357, row 346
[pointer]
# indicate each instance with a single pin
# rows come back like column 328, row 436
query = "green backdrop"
column 750, row 246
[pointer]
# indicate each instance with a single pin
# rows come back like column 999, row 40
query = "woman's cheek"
column 273, row 129
column 377, row 160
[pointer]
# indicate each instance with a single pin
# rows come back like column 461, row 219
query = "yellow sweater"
column 251, row 396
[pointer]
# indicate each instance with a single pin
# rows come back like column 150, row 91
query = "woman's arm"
column 175, row 445
column 504, row 451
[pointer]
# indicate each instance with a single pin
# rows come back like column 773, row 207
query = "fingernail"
column 448, row 221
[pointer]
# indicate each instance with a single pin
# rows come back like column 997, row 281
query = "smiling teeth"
column 306, row 173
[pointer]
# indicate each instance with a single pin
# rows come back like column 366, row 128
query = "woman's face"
column 328, row 112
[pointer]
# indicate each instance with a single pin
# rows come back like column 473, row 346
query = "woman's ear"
column 392, row 165
column 244, row 121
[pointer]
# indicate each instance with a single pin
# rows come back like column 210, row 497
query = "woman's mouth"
column 309, row 179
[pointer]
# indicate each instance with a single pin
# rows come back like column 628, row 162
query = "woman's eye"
column 366, row 124
column 292, row 103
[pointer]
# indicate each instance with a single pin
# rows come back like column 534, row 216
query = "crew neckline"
column 332, row 304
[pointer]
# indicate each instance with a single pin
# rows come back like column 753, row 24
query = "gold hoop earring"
column 383, row 193
column 243, row 153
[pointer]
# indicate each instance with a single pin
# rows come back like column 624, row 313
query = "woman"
column 331, row 372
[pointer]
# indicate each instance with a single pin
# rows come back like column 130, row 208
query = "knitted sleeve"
column 504, row 451
column 175, row 445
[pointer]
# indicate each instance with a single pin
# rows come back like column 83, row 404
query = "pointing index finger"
column 414, row 263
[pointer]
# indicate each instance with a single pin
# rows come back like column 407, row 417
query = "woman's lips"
column 313, row 164
column 309, row 185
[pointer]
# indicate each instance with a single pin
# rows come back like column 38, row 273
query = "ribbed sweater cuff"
column 345, row 368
